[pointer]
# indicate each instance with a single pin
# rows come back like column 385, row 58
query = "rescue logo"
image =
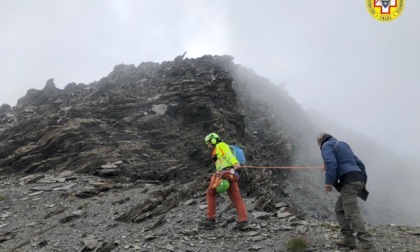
column 385, row 10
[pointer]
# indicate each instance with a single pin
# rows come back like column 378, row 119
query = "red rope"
column 284, row 167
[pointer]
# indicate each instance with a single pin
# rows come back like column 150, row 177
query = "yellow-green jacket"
column 225, row 157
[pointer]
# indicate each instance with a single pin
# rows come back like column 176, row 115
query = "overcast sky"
column 331, row 55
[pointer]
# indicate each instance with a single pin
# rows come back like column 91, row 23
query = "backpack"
column 238, row 152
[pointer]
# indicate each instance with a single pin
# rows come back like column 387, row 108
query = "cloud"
column 332, row 57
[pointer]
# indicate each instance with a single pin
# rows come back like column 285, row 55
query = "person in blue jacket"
column 347, row 173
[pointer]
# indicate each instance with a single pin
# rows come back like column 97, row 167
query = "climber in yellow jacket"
column 226, row 164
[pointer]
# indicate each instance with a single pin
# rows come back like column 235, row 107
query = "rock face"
column 120, row 164
column 151, row 119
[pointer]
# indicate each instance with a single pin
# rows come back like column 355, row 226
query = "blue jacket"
column 339, row 160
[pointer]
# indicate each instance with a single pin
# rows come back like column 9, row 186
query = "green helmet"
column 223, row 186
column 209, row 138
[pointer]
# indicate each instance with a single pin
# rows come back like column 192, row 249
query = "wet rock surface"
column 120, row 164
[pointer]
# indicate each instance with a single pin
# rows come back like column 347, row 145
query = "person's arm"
column 236, row 166
column 330, row 163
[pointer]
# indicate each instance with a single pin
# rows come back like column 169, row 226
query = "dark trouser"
column 349, row 217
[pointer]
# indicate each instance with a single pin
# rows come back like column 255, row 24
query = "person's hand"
column 236, row 166
column 328, row 188
column 226, row 175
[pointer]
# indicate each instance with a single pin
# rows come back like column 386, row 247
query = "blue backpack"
column 238, row 152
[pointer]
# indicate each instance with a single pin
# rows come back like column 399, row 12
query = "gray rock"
column 283, row 215
column 160, row 109
column 261, row 215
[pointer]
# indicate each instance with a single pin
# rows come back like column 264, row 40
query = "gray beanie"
column 322, row 137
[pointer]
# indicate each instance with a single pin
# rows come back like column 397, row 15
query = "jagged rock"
column 258, row 238
column 71, row 217
column 50, row 89
column 122, row 201
column 283, row 215
column 149, row 237
column 5, row 215
column 189, row 232
column 42, row 243
column 31, row 178
column 180, row 57
column 160, row 109
column 189, row 202
column 41, row 188
column 292, row 219
column 201, row 207
column 65, row 174
column 86, row 193
column 108, row 172
column 255, row 248
column 50, row 180
column 6, row 236
column 157, row 223
column 91, row 243
column 35, row 193
column 64, row 188
column 55, row 211
column 73, row 87
column 281, row 205
column 261, row 215
column 108, row 247
column 251, row 233
column 160, row 202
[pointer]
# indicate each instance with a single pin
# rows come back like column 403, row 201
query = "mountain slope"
column 136, row 168
column 152, row 120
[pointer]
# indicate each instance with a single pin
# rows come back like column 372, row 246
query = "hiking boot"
column 207, row 223
column 345, row 244
column 240, row 225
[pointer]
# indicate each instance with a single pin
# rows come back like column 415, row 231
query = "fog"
column 331, row 56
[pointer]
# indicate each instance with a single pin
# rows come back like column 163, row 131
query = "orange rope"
column 284, row 167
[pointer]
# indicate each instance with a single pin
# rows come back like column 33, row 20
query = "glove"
column 215, row 181
column 226, row 175
column 232, row 177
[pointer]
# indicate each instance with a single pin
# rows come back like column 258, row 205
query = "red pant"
column 235, row 197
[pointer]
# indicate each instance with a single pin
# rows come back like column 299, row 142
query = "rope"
column 284, row 167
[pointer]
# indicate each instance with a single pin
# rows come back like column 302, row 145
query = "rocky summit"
column 121, row 165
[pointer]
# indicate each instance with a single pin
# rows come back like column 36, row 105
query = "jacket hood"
column 322, row 138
